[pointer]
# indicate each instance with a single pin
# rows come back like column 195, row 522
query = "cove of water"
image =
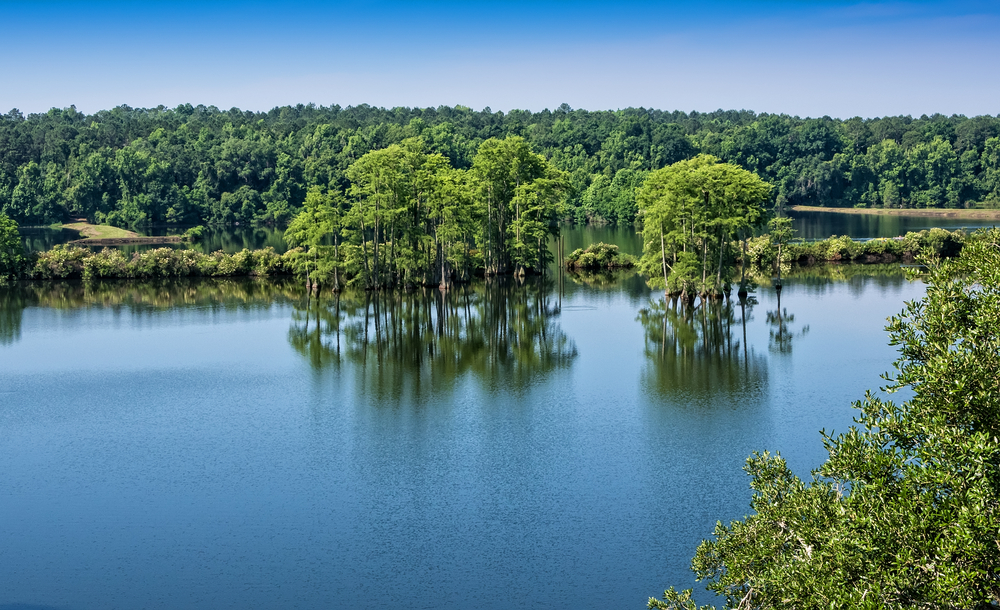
column 556, row 443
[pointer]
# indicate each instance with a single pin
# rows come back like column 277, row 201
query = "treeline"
column 202, row 165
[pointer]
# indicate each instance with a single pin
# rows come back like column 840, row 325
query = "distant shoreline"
column 126, row 241
column 924, row 212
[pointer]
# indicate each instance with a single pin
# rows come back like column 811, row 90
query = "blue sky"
column 840, row 59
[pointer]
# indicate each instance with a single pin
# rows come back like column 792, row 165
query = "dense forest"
column 196, row 164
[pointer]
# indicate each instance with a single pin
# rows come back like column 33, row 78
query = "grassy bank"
column 970, row 214
column 91, row 231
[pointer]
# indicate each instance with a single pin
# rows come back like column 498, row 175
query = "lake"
column 553, row 443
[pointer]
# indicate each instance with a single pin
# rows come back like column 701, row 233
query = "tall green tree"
column 779, row 233
column 379, row 184
column 319, row 222
column 690, row 212
column 11, row 250
column 520, row 194
column 412, row 219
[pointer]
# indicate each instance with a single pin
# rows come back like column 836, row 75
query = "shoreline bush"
column 934, row 243
column 72, row 262
column 600, row 256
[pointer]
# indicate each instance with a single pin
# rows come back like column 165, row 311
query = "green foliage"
column 194, row 234
column 409, row 218
column 203, row 165
column 905, row 512
column 611, row 200
column 69, row 262
column 11, row 250
column 779, row 232
column 521, row 196
column 690, row 213
column 600, row 256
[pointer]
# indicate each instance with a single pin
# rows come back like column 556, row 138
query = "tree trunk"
column 375, row 264
column 718, row 272
column 704, row 263
column 336, row 264
column 779, row 268
column 663, row 255
column 445, row 283
column 742, row 293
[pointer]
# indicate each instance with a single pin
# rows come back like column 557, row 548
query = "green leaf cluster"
column 71, row 262
column 762, row 252
column 600, row 256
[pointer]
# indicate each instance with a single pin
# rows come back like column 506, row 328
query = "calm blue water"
column 820, row 225
column 204, row 445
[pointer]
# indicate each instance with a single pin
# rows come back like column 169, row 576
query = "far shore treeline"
column 195, row 165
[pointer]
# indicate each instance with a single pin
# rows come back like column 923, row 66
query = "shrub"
column 61, row 262
column 193, row 235
column 108, row 263
column 599, row 256
column 67, row 262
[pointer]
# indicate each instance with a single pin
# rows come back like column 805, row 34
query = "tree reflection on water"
column 12, row 303
column 403, row 343
column 218, row 294
column 781, row 334
column 700, row 350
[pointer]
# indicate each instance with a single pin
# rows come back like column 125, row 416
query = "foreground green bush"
column 67, row 262
column 905, row 512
